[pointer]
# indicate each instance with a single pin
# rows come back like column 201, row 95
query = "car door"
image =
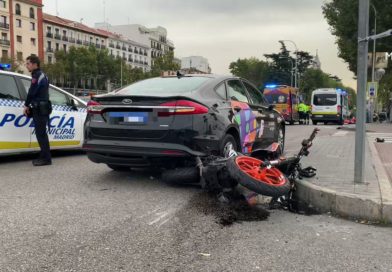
column 265, row 118
column 243, row 115
column 14, row 126
column 65, row 122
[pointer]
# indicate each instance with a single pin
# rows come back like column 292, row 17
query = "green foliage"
column 253, row 69
column 342, row 16
column 164, row 63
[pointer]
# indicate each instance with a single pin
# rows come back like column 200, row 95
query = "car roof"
column 29, row 77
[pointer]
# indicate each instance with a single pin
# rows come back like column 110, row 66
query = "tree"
column 253, row 69
column 164, row 63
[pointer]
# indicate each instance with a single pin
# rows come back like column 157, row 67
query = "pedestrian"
column 302, row 108
column 307, row 114
column 38, row 106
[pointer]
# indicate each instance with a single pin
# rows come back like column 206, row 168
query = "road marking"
column 340, row 133
column 161, row 215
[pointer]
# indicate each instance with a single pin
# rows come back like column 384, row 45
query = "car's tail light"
column 181, row 107
column 94, row 107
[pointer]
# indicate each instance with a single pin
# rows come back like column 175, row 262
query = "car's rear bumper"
column 325, row 117
column 136, row 153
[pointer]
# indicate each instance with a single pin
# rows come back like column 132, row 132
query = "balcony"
column 124, row 58
column 118, row 46
column 145, row 63
column 124, row 48
column 130, row 49
column 111, row 45
column 4, row 25
column 136, row 51
column 49, row 50
column 145, row 53
column 71, row 40
column 49, row 34
column 79, row 42
column 5, row 42
column 130, row 59
column 97, row 45
column 57, row 36
column 65, row 38
column 86, row 43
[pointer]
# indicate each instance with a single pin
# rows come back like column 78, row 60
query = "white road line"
column 147, row 214
column 161, row 215
column 340, row 133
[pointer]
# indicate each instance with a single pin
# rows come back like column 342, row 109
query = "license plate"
column 131, row 117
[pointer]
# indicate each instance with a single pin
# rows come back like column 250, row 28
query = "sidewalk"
column 333, row 189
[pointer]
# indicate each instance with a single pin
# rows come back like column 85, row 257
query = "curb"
column 351, row 205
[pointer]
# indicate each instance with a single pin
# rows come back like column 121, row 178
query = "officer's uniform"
column 302, row 111
column 38, row 93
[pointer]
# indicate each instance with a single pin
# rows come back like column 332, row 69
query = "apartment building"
column 21, row 29
column 154, row 38
column 195, row 64
column 135, row 54
column 61, row 34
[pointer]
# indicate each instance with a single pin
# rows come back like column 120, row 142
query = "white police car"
column 17, row 134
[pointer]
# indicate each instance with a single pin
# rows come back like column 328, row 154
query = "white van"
column 17, row 134
column 329, row 105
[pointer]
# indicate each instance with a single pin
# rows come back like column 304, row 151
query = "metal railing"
column 4, row 25
column 5, row 42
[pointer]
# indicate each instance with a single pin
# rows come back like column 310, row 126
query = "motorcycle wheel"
column 265, row 181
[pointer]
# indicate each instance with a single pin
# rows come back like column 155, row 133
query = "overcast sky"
column 220, row 30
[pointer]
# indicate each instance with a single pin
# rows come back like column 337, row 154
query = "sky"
column 221, row 30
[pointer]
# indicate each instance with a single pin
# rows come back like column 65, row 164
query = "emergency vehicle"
column 330, row 105
column 286, row 100
column 17, row 133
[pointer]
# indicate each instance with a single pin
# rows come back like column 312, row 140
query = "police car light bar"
column 5, row 66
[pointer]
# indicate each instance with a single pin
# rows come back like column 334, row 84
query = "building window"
column 19, row 38
column 19, row 56
column 17, row 9
column 32, row 26
column 33, row 41
column 65, row 48
column 2, row 4
column 49, row 59
column 32, row 13
column 18, row 23
column 57, row 47
column 4, row 54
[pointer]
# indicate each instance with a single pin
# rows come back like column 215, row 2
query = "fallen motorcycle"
column 275, row 178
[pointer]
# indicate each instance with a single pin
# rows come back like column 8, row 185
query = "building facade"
column 135, row 54
column 21, row 30
column 61, row 34
column 154, row 38
column 195, row 64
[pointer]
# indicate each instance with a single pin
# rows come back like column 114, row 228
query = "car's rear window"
column 164, row 86
column 324, row 99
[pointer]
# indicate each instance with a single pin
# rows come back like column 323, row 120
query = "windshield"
column 324, row 99
column 274, row 98
column 164, row 86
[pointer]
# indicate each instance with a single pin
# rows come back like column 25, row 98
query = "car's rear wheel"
column 228, row 143
column 119, row 168
column 314, row 122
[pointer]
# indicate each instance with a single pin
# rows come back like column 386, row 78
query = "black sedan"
column 169, row 121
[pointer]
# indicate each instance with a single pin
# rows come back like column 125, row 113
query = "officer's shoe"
column 41, row 162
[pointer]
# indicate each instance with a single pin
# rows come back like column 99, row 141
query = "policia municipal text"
column 38, row 106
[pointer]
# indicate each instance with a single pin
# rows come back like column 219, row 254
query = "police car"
column 17, row 133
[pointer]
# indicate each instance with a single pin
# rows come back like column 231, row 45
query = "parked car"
column 17, row 134
column 168, row 121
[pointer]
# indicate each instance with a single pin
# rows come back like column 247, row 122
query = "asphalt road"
column 79, row 216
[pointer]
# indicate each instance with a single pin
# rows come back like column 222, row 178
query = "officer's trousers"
column 40, row 123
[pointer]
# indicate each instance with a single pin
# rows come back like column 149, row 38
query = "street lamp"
column 292, row 69
column 296, row 61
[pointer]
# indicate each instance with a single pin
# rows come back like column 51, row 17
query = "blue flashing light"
column 5, row 66
column 271, row 86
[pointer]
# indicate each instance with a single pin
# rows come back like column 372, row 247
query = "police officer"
column 302, row 112
column 38, row 106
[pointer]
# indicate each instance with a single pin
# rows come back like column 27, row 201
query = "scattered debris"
column 205, row 254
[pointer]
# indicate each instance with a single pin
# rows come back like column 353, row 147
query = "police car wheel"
column 118, row 167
